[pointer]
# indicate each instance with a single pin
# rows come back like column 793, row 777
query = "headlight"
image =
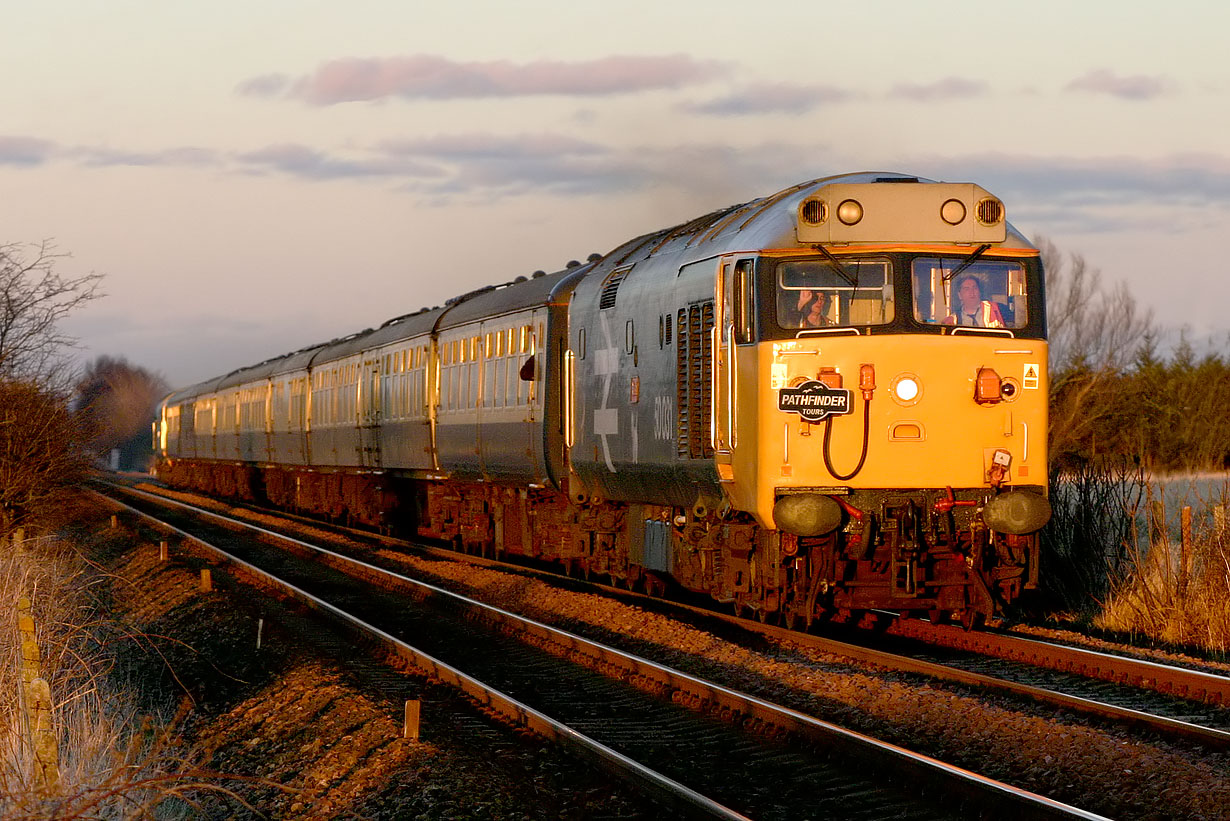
column 850, row 212
column 953, row 212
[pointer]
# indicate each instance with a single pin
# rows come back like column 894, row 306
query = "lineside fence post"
column 1159, row 548
column 1185, row 549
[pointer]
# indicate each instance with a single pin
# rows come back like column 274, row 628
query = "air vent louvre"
column 610, row 289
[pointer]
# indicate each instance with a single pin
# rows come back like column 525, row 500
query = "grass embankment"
column 1177, row 590
column 99, row 751
column 1117, row 560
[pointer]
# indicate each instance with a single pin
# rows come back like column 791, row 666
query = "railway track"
column 695, row 745
column 1175, row 703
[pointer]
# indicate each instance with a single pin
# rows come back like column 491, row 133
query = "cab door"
column 734, row 332
column 735, row 379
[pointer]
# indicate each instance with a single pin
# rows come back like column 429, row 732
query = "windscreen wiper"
column 841, row 269
column 967, row 262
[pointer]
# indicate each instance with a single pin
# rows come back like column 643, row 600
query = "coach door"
column 369, row 413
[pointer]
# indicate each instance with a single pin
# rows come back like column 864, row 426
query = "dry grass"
column 114, row 762
column 1156, row 596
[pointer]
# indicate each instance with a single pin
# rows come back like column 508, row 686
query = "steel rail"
column 1195, row 685
column 990, row 797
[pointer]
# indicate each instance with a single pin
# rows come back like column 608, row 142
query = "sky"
column 253, row 177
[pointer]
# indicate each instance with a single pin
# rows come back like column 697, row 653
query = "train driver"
column 811, row 309
column 971, row 309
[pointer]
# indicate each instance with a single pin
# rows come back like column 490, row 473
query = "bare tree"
column 116, row 402
column 1095, row 331
column 40, row 440
column 34, row 297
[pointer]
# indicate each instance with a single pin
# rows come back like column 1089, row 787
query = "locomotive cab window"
column 744, row 308
column 986, row 294
column 816, row 293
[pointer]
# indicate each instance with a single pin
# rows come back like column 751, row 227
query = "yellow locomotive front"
column 882, row 401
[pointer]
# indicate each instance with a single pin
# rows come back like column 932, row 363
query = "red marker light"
column 986, row 387
column 867, row 380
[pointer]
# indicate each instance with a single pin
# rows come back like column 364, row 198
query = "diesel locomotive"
column 809, row 405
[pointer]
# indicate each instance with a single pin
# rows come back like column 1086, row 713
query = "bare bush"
column 40, row 453
column 1086, row 543
column 114, row 762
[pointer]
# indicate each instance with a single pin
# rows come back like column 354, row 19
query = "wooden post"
column 163, row 552
column 1159, row 549
column 207, row 581
column 411, row 728
column 1185, row 549
column 115, row 521
column 1219, row 520
column 260, row 628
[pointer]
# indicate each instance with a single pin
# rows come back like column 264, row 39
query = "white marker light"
column 906, row 389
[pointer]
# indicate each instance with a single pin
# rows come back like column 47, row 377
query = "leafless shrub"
column 40, row 452
column 114, row 762
column 1085, row 544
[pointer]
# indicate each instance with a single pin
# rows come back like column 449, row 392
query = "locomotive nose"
column 1017, row 512
column 807, row 514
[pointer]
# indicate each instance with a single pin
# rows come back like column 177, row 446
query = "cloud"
column 769, row 98
column 432, row 77
column 492, row 146
column 264, row 85
column 492, row 164
column 1097, row 194
column 1137, row 87
column 949, row 88
column 308, row 163
column 184, row 157
column 25, row 151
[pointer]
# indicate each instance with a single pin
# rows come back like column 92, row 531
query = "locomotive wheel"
column 973, row 619
column 789, row 617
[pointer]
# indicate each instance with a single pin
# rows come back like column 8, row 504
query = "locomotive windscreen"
column 816, row 293
column 989, row 293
